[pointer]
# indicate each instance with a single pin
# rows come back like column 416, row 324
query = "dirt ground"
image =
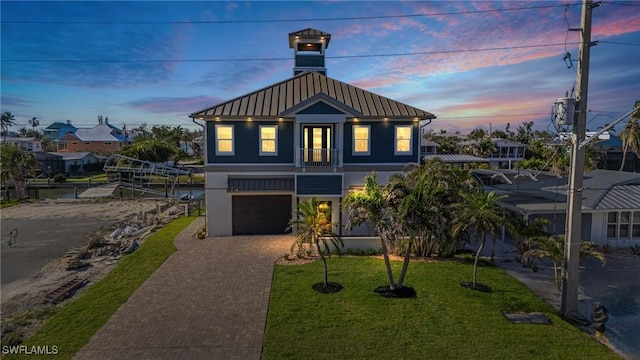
column 46, row 231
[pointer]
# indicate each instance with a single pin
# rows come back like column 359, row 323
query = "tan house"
column 101, row 138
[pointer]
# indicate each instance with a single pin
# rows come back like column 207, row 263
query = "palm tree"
column 17, row 165
column 7, row 120
column 552, row 247
column 480, row 213
column 369, row 204
column 630, row 136
column 313, row 226
column 34, row 122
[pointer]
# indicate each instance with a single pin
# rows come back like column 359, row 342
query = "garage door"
column 261, row 214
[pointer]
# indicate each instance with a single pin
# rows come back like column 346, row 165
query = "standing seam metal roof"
column 273, row 100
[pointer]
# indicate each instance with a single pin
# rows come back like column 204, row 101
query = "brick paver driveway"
column 209, row 300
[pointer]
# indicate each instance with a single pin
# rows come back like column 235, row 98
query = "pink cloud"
column 174, row 105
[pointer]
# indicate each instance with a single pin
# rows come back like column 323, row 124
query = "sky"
column 471, row 63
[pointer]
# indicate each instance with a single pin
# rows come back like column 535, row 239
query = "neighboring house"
column 50, row 164
column 610, row 153
column 28, row 144
column 610, row 205
column 103, row 138
column 506, row 154
column 79, row 162
column 309, row 135
column 57, row 130
column 428, row 147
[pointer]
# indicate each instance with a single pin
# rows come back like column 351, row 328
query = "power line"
column 489, row 116
column 617, row 43
column 281, row 59
column 352, row 18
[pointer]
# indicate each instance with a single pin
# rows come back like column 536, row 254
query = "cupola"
column 309, row 46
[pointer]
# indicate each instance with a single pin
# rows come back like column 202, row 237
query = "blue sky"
column 155, row 62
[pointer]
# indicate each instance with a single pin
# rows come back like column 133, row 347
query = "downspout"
column 420, row 139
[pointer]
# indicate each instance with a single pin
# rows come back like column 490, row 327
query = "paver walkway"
column 209, row 300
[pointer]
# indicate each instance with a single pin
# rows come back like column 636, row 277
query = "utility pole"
column 570, row 278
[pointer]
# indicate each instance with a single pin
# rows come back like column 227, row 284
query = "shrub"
column 59, row 178
column 635, row 249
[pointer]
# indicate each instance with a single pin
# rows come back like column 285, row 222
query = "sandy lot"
column 46, row 231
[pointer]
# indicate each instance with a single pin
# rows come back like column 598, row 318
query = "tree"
column 552, row 247
column 481, row 214
column 34, row 122
column 416, row 212
column 630, row 136
column 477, row 134
column 7, row 120
column 150, row 150
column 313, row 226
column 16, row 165
column 369, row 204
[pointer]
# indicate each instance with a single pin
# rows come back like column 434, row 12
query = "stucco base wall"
column 219, row 222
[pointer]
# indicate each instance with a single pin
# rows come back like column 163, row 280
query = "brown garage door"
column 260, row 214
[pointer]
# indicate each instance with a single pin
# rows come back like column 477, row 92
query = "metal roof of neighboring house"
column 306, row 89
column 602, row 190
column 101, row 132
column 426, row 142
column 41, row 155
column 620, row 197
column 66, row 156
column 456, row 158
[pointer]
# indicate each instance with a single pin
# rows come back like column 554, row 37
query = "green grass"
column 5, row 204
column 74, row 325
column 445, row 320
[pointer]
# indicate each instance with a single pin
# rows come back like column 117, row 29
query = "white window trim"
column 395, row 140
column 353, row 141
column 618, row 223
column 262, row 153
column 233, row 142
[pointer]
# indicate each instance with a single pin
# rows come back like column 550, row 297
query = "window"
column 268, row 140
column 624, row 225
column 87, row 143
column 635, row 228
column 107, row 143
column 612, row 225
column 403, row 140
column 224, row 140
column 361, row 140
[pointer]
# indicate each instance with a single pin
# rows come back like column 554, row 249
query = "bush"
column 59, row 178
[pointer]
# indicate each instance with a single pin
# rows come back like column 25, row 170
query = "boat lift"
column 141, row 175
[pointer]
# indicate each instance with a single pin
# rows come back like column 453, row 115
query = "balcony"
column 317, row 158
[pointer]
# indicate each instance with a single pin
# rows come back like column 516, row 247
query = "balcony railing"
column 317, row 157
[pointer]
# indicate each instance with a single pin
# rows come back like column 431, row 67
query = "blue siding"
column 382, row 143
column 310, row 60
column 319, row 184
column 247, row 143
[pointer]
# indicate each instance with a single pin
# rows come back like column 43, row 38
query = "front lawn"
column 444, row 321
column 74, row 325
